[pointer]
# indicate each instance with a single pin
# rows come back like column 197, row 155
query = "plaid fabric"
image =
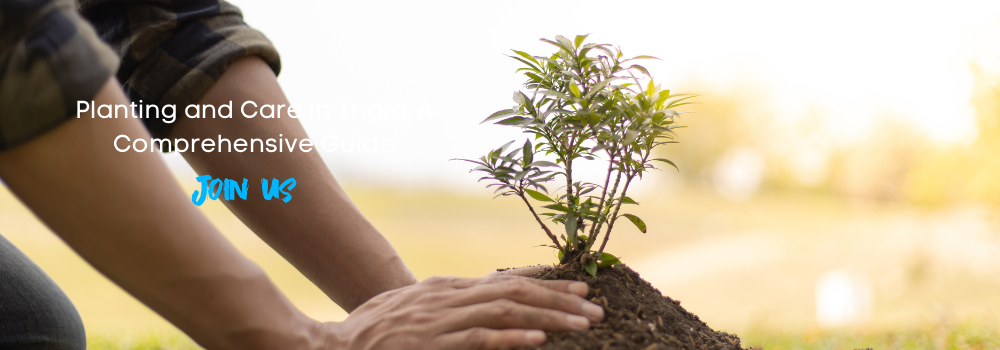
column 49, row 58
column 172, row 52
column 164, row 52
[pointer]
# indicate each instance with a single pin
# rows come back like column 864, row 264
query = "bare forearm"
column 125, row 214
column 320, row 231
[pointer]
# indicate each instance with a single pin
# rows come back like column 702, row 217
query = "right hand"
column 466, row 313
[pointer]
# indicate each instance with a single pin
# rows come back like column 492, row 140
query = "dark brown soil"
column 637, row 316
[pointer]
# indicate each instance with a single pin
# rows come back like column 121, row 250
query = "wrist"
column 327, row 336
column 300, row 334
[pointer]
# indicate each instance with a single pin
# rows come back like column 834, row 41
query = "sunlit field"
column 750, row 268
column 892, row 242
column 970, row 335
column 837, row 187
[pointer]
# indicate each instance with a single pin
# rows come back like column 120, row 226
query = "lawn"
column 746, row 268
column 973, row 335
column 966, row 335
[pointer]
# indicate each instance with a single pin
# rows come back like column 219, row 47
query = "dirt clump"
column 637, row 316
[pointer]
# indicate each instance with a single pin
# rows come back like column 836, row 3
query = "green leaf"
column 525, row 55
column 559, row 45
column 531, row 66
column 607, row 259
column 528, row 154
column 641, row 69
column 561, row 255
column 594, row 118
column 628, row 200
column 570, row 225
column 663, row 96
column 520, row 174
column 637, row 221
column 565, row 42
column 574, row 89
column 538, row 196
column 519, row 98
column 557, row 207
column 542, row 163
column 513, row 121
column 630, row 135
column 597, row 87
column 668, row 162
column 555, row 94
column 579, row 39
column 675, row 103
column 591, row 267
column 644, row 57
column 499, row 114
column 495, row 154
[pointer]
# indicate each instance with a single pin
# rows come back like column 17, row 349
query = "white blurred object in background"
column 843, row 299
column 738, row 174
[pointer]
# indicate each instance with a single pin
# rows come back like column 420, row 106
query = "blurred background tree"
column 968, row 172
column 895, row 163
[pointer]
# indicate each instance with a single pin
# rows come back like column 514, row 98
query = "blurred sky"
column 406, row 83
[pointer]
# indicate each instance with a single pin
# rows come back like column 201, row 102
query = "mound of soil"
column 637, row 316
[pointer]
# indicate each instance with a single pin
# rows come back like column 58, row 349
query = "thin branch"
column 614, row 217
column 614, row 190
column 569, row 199
column 540, row 223
column 591, row 238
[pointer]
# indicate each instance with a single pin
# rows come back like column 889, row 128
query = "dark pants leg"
column 34, row 312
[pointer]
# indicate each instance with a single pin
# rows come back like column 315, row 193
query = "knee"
column 34, row 312
column 45, row 323
column 64, row 329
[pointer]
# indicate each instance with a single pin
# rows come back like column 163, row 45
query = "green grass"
column 140, row 341
column 968, row 335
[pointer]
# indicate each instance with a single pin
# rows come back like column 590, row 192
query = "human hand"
column 498, row 311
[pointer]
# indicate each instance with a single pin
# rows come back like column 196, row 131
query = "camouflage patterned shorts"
column 56, row 52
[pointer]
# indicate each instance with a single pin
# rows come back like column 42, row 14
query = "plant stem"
column 614, row 190
column 571, row 236
column 539, row 220
column 591, row 238
column 614, row 217
column 568, row 159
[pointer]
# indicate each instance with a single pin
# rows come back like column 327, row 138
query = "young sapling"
column 582, row 103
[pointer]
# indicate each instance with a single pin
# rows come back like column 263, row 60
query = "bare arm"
column 125, row 214
column 319, row 231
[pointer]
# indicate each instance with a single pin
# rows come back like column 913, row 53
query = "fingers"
column 452, row 282
column 564, row 286
column 526, row 291
column 526, row 271
column 506, row 314
column 482, row 338
column 573, row 287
